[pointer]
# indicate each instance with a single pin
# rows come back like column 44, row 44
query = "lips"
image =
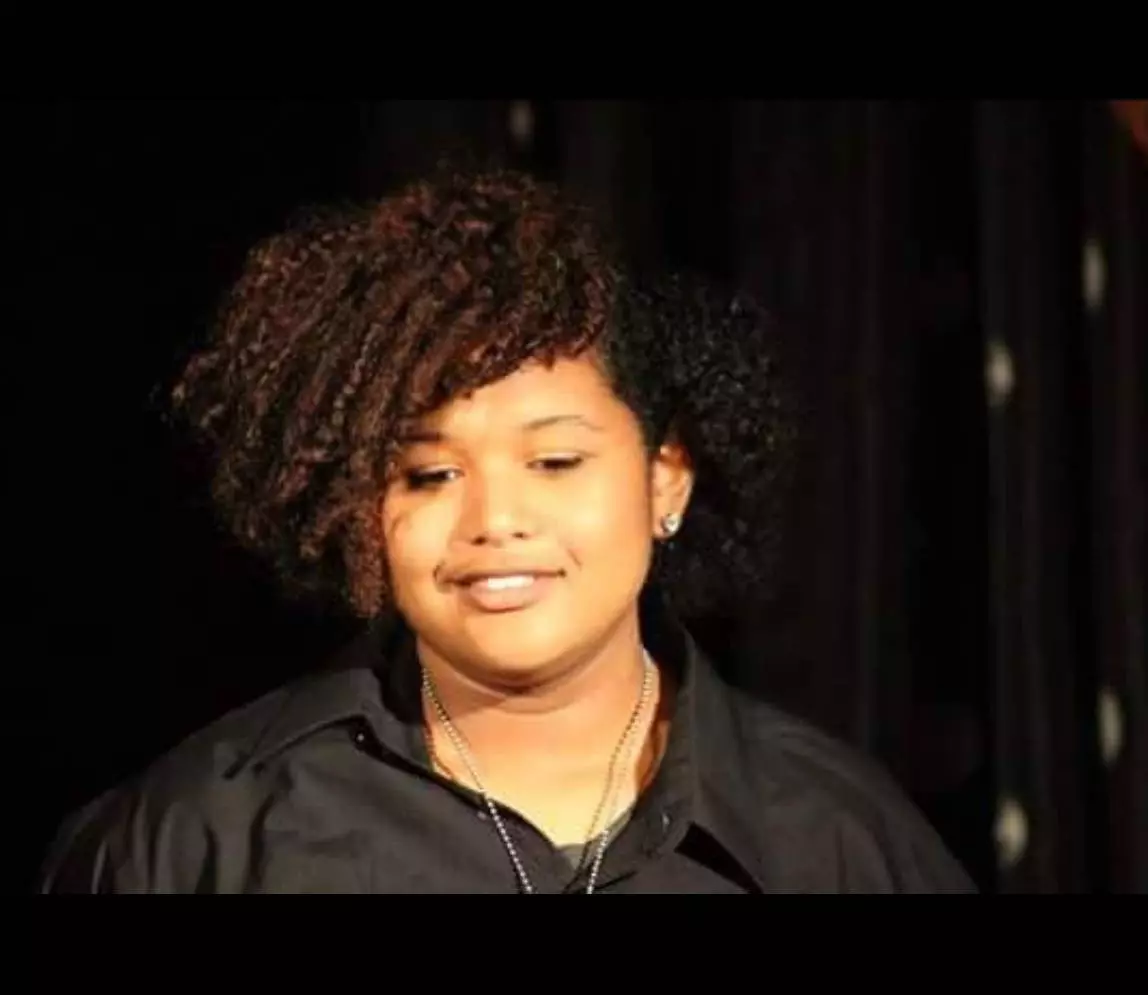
column 505, row 591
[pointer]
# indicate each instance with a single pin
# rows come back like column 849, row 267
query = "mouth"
column 507, row 592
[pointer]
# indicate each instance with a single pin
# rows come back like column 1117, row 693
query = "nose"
column 494, row 509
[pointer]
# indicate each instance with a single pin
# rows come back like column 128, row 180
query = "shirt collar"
column 699, row 777
column 347, row 689
column 374, row 680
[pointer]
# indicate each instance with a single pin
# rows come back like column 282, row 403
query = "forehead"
column 568, row 387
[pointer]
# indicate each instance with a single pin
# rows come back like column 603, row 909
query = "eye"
column 558, row 464
column 421, row 480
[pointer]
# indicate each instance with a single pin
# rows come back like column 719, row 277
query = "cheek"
column 416, row 542
column 609, row 514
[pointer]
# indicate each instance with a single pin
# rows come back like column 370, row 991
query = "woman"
column 456, row 412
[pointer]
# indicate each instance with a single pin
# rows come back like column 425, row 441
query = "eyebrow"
column 537, row 423
column 416, row 434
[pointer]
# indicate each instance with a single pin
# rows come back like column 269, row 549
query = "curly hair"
column 355, row 320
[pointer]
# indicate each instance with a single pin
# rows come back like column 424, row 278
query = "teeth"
column 505, row 583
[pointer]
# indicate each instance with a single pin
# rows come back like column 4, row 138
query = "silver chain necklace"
column 467, row 758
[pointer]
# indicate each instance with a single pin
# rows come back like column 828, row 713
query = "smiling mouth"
column 503, row 583
column 507, row 592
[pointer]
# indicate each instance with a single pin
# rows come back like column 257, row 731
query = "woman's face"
column 519, row 522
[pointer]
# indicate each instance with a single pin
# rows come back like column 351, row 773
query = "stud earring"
column 671, row 523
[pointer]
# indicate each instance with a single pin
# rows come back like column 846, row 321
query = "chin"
column 514, row 652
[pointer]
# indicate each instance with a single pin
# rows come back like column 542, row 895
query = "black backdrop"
column 965, row 284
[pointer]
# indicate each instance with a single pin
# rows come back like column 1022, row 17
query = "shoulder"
column 158, row 830
column 824, row 807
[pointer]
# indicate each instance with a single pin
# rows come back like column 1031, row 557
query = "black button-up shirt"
column 326, row 786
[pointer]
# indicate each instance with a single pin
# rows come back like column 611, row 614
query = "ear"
column 671, row 484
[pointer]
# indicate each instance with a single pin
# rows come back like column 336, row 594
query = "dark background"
column 963, row 593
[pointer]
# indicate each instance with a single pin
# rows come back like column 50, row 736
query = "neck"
column 568, row 716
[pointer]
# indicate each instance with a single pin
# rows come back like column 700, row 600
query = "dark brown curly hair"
column 355, row 320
